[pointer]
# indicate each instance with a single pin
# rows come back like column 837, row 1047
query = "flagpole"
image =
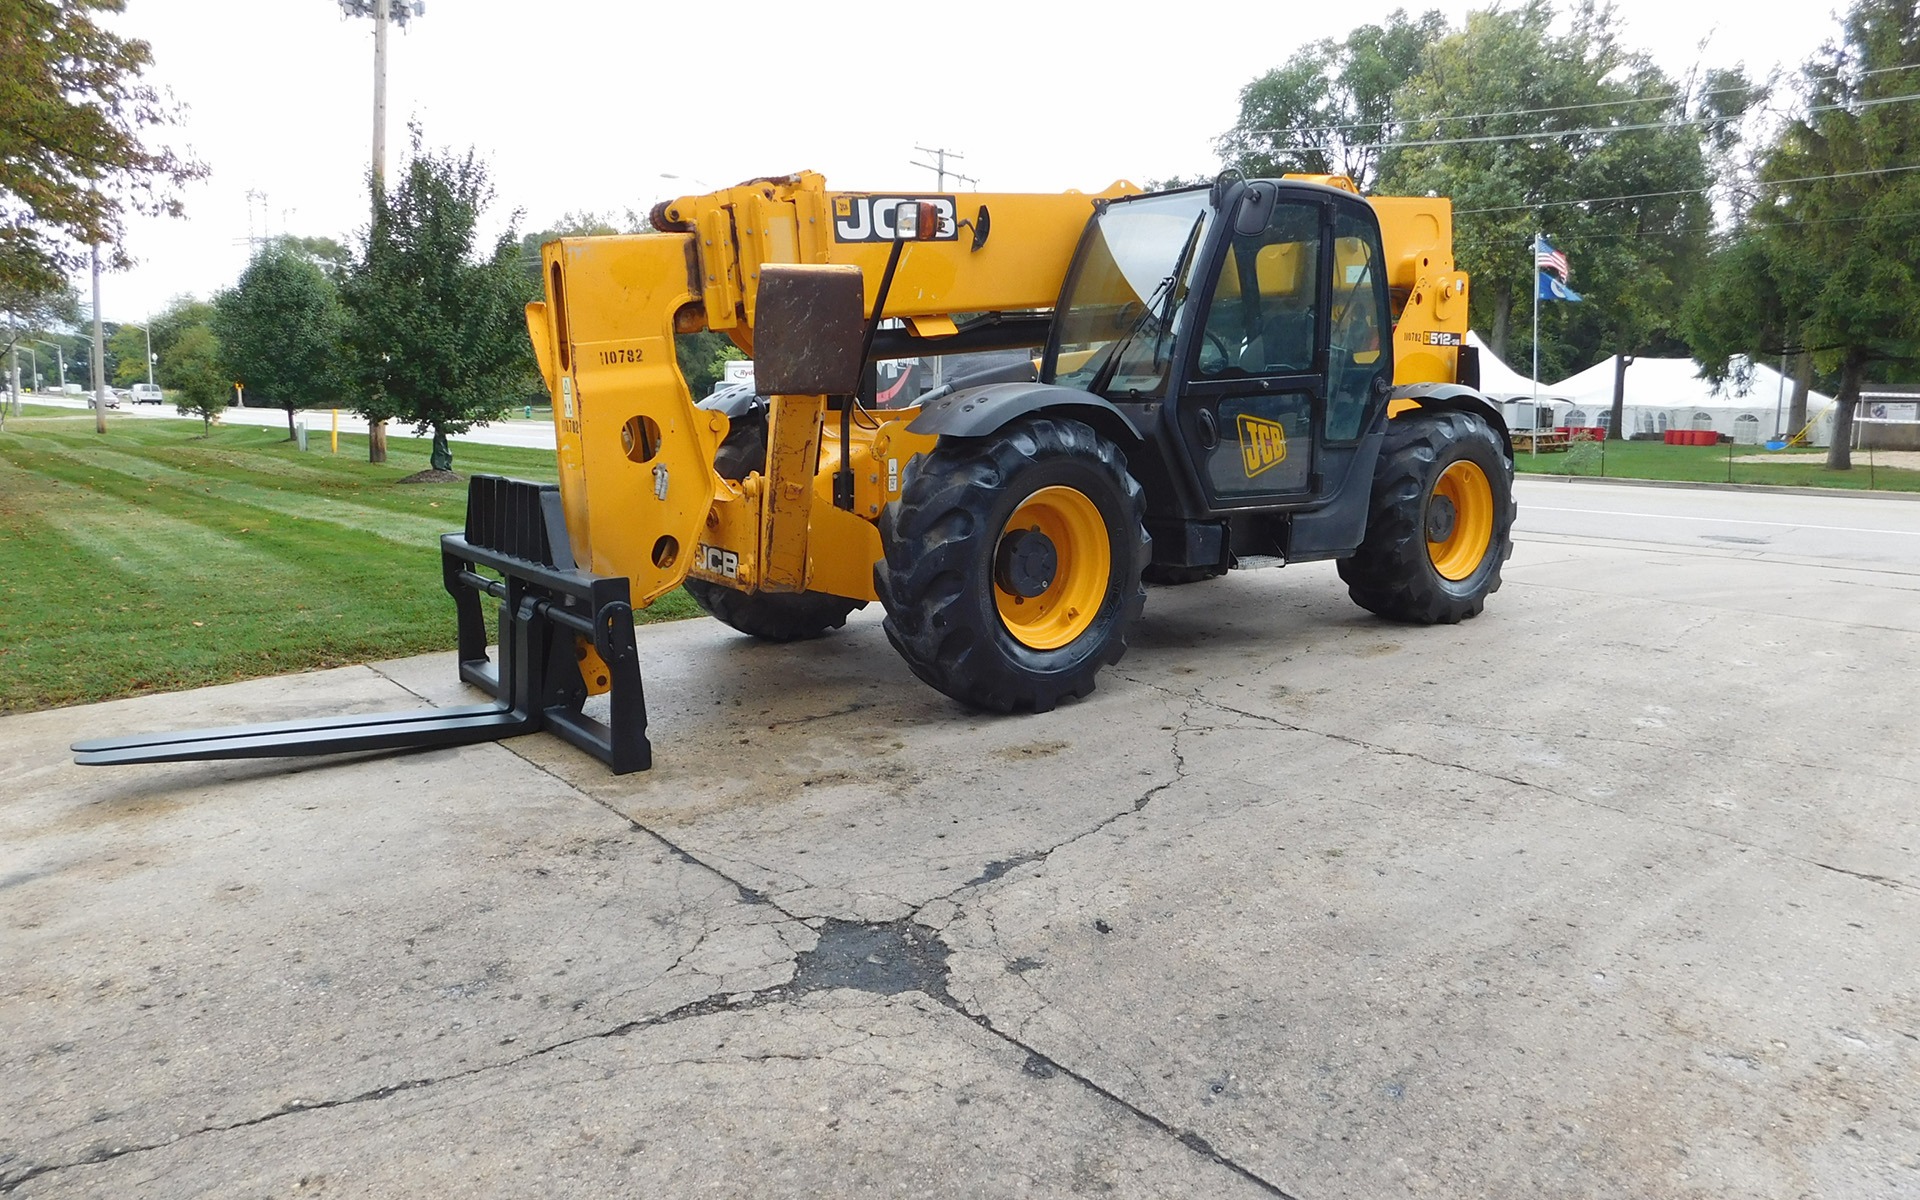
column 1533, row 442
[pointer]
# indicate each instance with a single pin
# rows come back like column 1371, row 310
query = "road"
column 1611, row 891
column 1883, row 531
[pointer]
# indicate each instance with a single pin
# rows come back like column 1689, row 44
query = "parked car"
column 146, row 393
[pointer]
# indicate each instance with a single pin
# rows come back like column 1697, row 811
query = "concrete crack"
column 1882, row 880
column 1529, row 785
column 999, row 867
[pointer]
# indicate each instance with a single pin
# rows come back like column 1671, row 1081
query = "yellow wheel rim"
column 1067, row 608
column 1459, row 553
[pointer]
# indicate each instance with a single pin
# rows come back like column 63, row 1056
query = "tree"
column 194, row 364
column 127, row 351
column 437, row 333
column 279, row 330
column 703, row 359
column 72, row 162
column 181, row 314
column 1568, row 134
column 334, row 260
column 1821, row 262
column 1329, row 109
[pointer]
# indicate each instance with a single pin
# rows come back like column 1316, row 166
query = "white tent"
column 1496, row 377
column 1515, row 392
column 1668, row 393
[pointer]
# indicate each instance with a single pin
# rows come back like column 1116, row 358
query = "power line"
column 1599, row 130
column 1485, row 116
column 1530, row 112
column 1462, row 212
column 1576, row 239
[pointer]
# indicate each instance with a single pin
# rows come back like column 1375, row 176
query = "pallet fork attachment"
column 548, row 609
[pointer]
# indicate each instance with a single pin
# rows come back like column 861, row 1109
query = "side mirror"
column 1255, row 209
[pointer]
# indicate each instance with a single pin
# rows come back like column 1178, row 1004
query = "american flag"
column 1546, row 258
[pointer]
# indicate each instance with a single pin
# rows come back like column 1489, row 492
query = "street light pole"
column 59, row 358
column 99, row 353
column 149, row 333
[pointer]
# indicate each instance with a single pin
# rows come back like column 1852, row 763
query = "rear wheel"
column 1441, row 522
column 769, row 616
column 1012, row 567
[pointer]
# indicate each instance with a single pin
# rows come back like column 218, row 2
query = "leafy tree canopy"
column 1529, row 119
column 72, row 162
column 181, row 314
column 436, row 327
column 28, row 311
column 332, row 257
column 1329, row 108
column 1530, row 131
column 279, row 330
column 127, row 351
column 1823, row 260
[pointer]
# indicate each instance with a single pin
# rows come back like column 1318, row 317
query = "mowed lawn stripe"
column 228, row 496
column 126, row 600
column 153, row 560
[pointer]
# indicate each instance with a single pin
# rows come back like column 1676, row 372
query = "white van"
column 146, row 393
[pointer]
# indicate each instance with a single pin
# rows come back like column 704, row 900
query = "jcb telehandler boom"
column 1247, row 373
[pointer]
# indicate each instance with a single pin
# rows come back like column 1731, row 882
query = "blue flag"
column 1553, row 289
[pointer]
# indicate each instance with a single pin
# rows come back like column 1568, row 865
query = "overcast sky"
column 585, row 104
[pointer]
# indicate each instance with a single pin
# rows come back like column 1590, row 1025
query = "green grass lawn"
column 154, row 559
column 1708, row 464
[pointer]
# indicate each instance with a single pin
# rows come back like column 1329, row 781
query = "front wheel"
column 1440, row 523
column 1012, row 566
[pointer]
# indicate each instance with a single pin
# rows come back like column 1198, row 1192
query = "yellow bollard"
column 336, row 431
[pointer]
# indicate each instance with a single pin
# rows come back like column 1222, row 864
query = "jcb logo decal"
column 870, row 218
column 717, row 561
column 1263, row 444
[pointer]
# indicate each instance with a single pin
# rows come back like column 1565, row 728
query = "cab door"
column 1256, row 378
column 1290, row 365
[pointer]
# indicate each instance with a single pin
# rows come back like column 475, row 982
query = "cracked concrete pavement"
column 1612, row 891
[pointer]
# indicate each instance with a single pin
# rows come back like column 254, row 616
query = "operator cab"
column 1245, row 324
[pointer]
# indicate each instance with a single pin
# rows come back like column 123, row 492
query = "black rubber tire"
column 1392, row 573
column 936, row 579
column 769, row 616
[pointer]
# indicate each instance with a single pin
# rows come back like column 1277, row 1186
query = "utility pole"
column 99, row 353
column 384, row 13
column 939, row 166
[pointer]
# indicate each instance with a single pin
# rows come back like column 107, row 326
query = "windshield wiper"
column 1159, row 308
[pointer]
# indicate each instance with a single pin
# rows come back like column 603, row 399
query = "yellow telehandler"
column 1247, row 373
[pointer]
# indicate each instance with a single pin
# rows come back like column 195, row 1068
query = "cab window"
column 1264, row 312
column 1354, row 355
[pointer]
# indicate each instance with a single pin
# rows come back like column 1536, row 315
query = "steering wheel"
column 1211, row 341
